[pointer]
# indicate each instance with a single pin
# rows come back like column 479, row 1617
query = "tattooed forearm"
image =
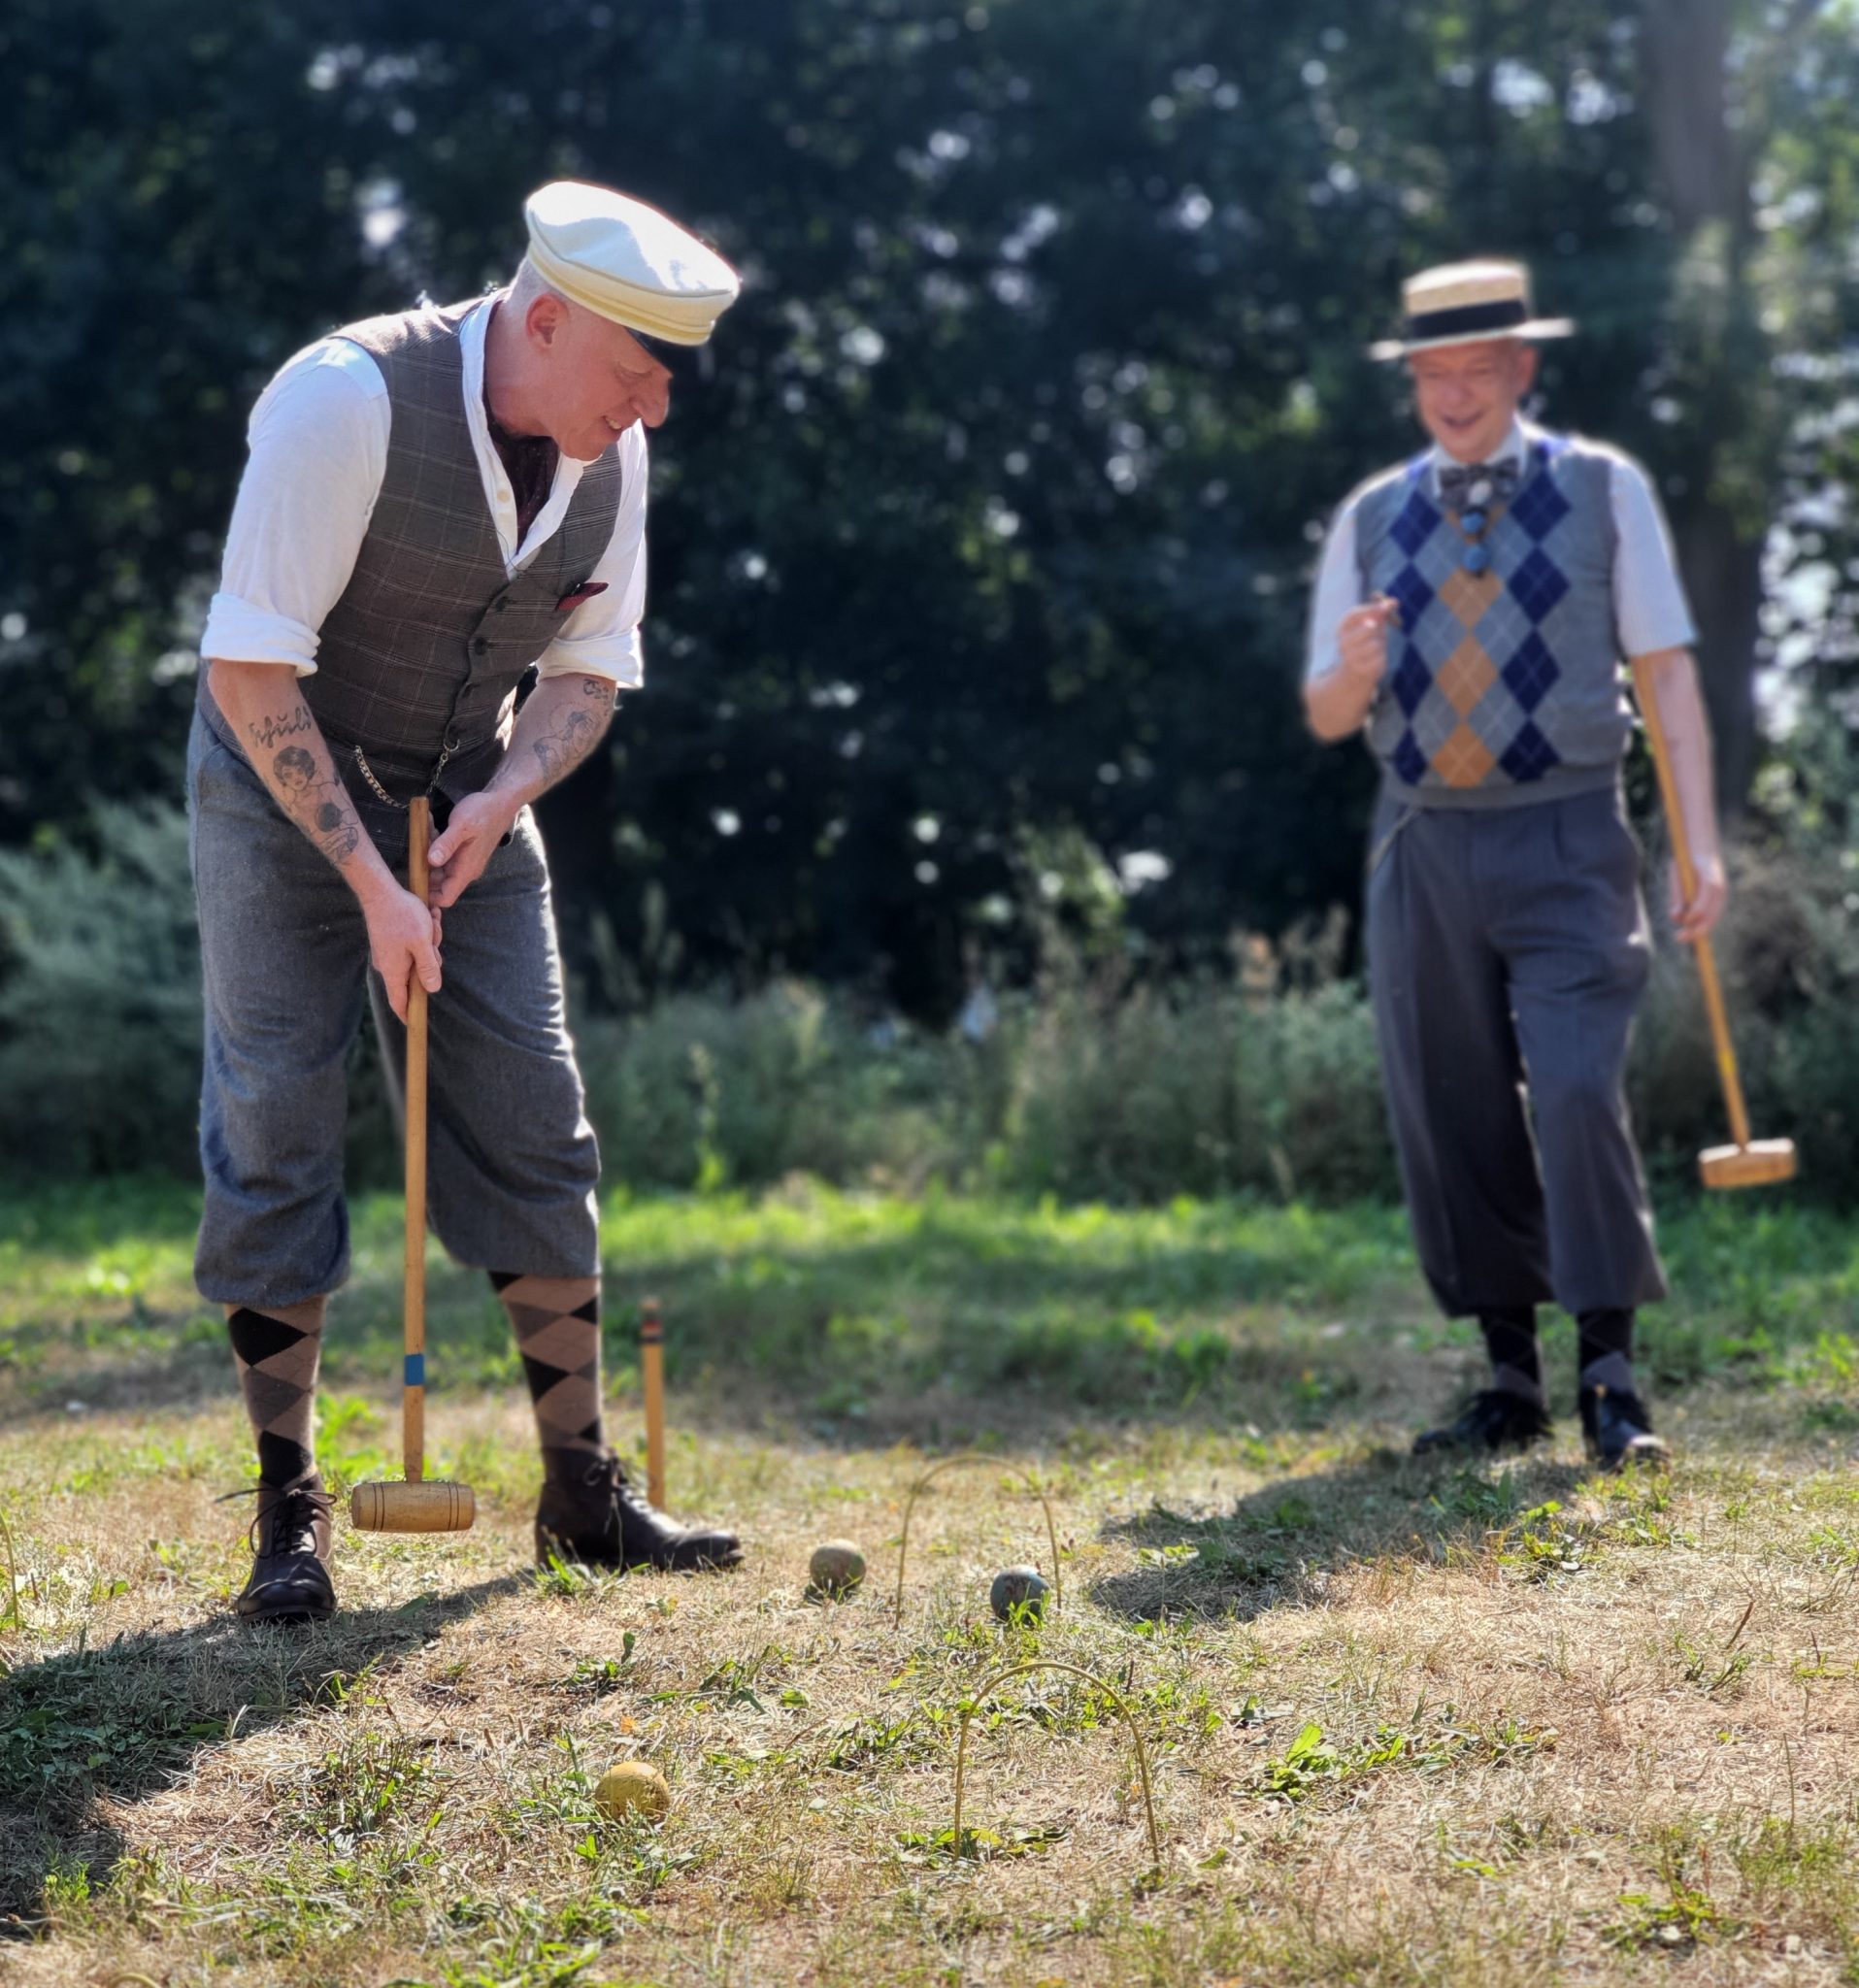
column 316, row 801
column 567, row 745
column 564, row 721
column 264, row 708
column 269, row 730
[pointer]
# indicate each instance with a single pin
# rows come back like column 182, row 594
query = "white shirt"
column 1649, row 611
column 317, row 439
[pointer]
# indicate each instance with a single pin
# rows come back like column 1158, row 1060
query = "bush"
column 1789, row 960
column 1093, row 1085
column 100, row 1007
column 703, row 1092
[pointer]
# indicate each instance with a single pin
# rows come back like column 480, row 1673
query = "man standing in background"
column 433, row 503
column 1472, row 610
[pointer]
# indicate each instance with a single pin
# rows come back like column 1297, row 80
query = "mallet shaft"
column 1713, row 1006
column 412, row 1402
column 651, row 1375
column 420, row 1504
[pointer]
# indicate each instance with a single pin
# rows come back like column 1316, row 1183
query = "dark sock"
column 276, row 1353
column 1606, row 1340
column 1510, row 1338
column 557, row 1326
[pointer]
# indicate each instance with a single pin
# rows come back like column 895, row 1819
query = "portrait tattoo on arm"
column 317, row 803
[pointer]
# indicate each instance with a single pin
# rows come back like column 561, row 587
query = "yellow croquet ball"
column 635, row 1787
column 835, row 1568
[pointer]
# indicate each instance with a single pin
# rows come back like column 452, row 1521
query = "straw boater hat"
column 1461, row 302
column 627, row 261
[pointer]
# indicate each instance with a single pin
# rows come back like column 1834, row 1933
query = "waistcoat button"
column 481, row 647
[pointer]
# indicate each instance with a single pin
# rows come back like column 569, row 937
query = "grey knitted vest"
column 419, row 659
column 1503, row 687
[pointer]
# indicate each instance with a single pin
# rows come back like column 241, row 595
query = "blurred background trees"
column 981, row 535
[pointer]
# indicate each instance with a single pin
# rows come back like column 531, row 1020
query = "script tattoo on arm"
column 268, row 731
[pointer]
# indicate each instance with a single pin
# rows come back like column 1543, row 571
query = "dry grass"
column 1567, row 1730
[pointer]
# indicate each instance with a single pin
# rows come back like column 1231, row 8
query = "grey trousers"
column 513, row 1162
column 1508, row 951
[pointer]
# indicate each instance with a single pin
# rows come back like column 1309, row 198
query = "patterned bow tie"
column 1477, row 483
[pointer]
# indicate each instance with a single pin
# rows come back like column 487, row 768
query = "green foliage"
column 1095, row 1084
column 100, row 1005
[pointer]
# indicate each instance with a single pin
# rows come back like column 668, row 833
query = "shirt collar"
column 1511, row 448
column 503, row 507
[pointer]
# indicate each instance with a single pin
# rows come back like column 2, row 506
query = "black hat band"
column 1470, row 318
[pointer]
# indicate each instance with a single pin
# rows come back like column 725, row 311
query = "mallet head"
column 1755, row 1164
column 431, row 1505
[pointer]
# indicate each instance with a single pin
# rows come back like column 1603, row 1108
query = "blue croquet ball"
column 1019, row 1587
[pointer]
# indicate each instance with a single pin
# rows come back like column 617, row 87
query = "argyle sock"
column 1605, row 1357
column 275, row 1349
column 557, row 1325
column 1510, row 1338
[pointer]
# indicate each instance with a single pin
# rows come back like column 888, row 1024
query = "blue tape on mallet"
column 415, row 1370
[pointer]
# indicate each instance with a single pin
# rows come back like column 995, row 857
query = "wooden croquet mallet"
column 652, row 1377
column 421, row 1505
column 1749, row 1162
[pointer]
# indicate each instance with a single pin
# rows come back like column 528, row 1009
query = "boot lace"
column 288, row 1525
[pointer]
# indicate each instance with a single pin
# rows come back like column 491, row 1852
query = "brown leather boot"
column 290, row 1572
column 588, row 1511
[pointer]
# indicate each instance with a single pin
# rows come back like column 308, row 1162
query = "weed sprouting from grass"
column 1312, row 1765
column 360, row 1786
column 1542, row 1543
column 1685, row 1916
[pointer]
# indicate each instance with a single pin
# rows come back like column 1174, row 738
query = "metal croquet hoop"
column 948, row 1463
column 999, row 1677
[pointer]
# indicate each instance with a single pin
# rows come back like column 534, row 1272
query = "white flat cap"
column 627, row 261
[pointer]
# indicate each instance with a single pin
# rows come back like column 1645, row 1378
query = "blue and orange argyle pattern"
column 1476, row 658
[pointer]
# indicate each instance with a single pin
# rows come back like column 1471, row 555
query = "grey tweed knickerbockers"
column 1508, row 951
column 513, row 1162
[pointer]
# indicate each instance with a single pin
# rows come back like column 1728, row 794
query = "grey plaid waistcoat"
column 419, row 659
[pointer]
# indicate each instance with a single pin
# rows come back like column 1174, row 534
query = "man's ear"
column 543, row 321
column 1529, row 359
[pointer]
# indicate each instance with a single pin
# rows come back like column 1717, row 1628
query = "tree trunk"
column 1702, row 167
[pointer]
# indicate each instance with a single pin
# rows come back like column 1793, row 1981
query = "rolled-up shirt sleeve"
column 1650, row 612
column 318, row 442
column 1337, row 589
column 601, row 637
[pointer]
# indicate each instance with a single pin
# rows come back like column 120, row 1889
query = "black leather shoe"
column 1493, row 1419
column 588, row 1511
column 290, row 1570
column 1618, row 1430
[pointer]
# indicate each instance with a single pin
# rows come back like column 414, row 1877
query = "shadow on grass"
column 92, row 1728
column 1278, row 1546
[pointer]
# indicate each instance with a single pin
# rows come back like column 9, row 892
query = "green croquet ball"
column 635, row 1787
column 837, row 1567
column 1019, row 1587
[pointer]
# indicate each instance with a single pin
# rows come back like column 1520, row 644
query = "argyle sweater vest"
column 419, row 659
column 1504, row 686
